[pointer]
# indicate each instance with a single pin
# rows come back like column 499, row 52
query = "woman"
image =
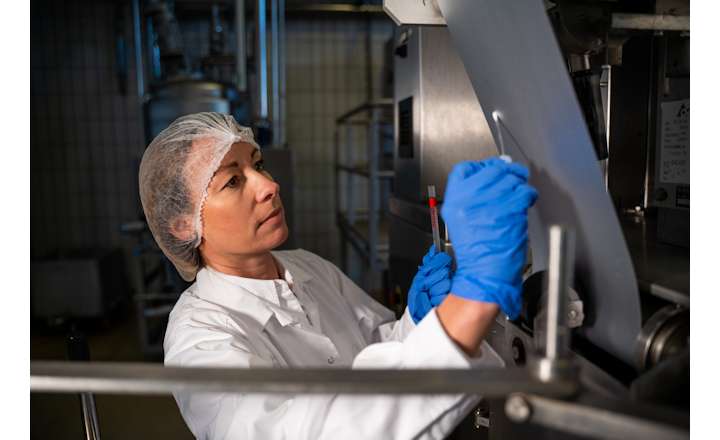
column 216, row 214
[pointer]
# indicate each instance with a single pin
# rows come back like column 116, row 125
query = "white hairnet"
column 175, row 172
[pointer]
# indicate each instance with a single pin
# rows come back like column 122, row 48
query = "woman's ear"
column 182, row 228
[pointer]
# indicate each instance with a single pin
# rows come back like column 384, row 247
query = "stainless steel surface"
column 577, row 62
column 649, row 22
column 662, row 270
column 240, row 61
column 179, row 98
column 91, row 425
column 516, row 68
column 152, row 379
column 414, row 12
column 504, row 335
column 261, row 104
column 448, row 125
column 587, row 421
column 561, row 263
column 665, row 333
column 606, row 95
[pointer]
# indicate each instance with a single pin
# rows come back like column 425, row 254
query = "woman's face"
column 242, row 213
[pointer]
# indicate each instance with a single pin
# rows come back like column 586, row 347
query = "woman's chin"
column 280, row 234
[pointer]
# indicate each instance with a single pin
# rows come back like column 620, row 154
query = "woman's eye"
column 260, row 165
column 232, row 182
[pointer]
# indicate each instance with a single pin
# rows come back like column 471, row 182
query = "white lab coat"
column 316, row 318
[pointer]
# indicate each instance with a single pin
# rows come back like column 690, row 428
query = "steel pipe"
column 587, row 421
column 240, row 45
column 156, row 379
column 559, row 278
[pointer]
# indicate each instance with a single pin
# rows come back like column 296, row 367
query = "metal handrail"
column 155, row 379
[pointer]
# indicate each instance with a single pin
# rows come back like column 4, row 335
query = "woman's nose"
column 267, row 189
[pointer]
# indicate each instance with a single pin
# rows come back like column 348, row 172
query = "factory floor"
column 116, row 339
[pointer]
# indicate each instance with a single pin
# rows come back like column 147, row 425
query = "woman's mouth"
column 274, row 217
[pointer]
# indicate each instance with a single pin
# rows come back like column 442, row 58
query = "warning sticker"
column 675, row 142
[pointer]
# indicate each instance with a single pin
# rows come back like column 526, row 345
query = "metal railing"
column 367, row 245
column 154, row 379
column 531, row 392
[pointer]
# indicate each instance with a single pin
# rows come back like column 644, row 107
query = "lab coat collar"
column 256, row 300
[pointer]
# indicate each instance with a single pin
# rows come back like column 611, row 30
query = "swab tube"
column 434, row 220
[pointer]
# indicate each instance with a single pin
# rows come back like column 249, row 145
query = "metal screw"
column 517, row 408
column 572, row 315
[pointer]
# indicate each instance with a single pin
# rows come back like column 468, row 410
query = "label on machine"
column 675, row 142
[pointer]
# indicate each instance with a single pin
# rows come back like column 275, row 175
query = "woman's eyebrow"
column 224, row 167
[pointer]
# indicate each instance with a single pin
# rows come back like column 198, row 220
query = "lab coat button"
column 330, row 360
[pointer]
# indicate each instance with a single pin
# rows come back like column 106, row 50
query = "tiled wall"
column 326, row 78
column 85, row 135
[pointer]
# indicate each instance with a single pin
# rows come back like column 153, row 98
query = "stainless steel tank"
column 173, row 99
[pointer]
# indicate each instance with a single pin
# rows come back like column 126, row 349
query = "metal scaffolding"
column 366, row 230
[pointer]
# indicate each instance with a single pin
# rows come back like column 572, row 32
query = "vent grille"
column 405, row 149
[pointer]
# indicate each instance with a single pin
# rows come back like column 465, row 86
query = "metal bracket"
column 482, row 418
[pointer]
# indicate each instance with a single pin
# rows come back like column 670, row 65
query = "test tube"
column 433, row 218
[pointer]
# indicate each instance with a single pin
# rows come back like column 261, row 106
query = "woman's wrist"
column 467, row 321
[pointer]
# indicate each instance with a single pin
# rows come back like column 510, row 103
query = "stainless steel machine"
column 593, row 97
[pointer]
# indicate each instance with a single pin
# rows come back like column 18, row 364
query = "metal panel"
column 407, row 85
column 447, row 120
column 516, row 68
column 671, row 196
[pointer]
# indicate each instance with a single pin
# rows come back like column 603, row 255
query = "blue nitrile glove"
column 485, row 209
column 430, row 285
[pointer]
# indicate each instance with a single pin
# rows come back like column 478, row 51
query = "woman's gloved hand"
column 430, row 285
column 485, row 208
